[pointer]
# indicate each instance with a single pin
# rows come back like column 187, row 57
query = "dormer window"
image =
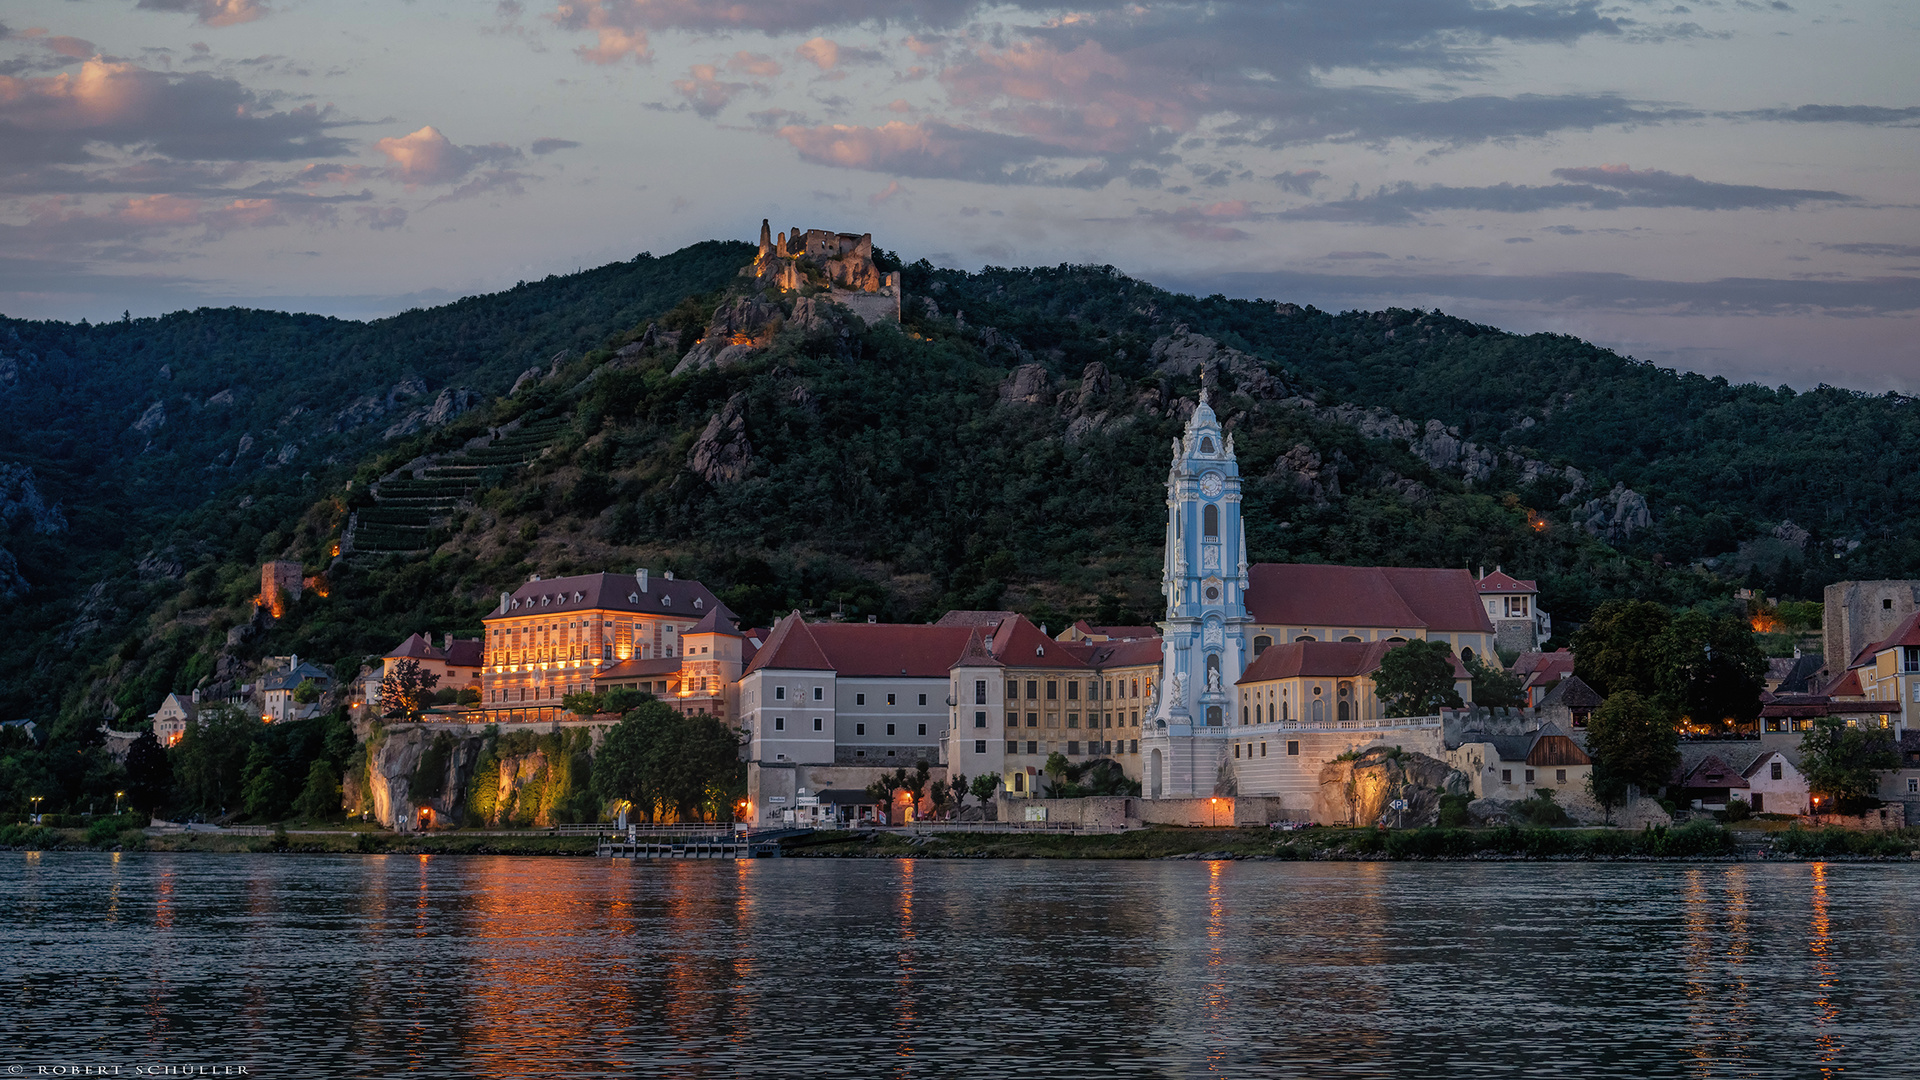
column 633, row 598
column 666, row 601
column 698, row 603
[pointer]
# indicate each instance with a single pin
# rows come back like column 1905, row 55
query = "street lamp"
column 1213, row 812
column 116, row 802
column 33, row 812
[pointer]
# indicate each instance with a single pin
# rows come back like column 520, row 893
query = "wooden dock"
column 691, row 844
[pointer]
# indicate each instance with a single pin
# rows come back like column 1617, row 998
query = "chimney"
column 446, row 641
column 668, row 575
column 641, row 576
column 505, row 602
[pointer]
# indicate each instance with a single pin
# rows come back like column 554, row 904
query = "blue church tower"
column 1205, row 582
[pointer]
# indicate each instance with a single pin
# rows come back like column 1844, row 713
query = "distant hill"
column 1004, row 446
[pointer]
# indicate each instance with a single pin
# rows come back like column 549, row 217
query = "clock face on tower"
column 1210, row 485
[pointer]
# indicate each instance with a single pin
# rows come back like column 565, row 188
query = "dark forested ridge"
column 1006, row 445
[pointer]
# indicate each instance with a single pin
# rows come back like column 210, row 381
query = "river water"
column 303, row 966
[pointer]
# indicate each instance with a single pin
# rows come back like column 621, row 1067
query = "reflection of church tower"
column 1205, row 582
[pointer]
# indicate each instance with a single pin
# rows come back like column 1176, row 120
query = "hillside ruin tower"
column 839, row 264
column 1204, row 578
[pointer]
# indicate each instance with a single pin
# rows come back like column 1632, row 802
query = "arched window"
column 1319, row 711
column 1206, row 444
column 1210, row 522
column 1346, row 709
column 1466, row 654
column 1349, row 637
column 1306, row 637
column 1283, row 710
column 1213, row 716
column 1261, row 644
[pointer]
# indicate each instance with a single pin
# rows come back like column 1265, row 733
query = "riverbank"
column 1699, row 840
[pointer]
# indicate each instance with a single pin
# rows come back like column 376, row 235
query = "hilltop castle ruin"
column 843, row 263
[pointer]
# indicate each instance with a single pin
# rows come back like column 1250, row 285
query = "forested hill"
column 1005, row 446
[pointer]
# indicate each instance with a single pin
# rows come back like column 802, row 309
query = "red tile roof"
column 1907, row 633
column 640, row 669
column 1847, row 685
column 790, row 647
column 1020, row 644
column 1711, row 765
column 878, row 650
column 717, row 621
column 1083, row 630
column 1316, row 659
column 464, row 652
column 616, row 592
column 976, row 653
column 1557, row 664
column 1501, row 582
column 1402, row 598
column 974, row 618
column 1116, row 654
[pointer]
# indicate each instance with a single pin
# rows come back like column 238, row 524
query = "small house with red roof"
column 1513, row 605
column 1710, row 783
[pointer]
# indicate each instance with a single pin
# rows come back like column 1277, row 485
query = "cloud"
column 428, row 157
column 212, row 12
column 549, row 145
column 933, row 149
column 73, row 47
column 1299, row 183
column 766, row 16
column 893, row 188
column 822, row 53
column 193, row 117
column 1205, row 223
column 1840, row 114
column 705, row 91
column 1356, row 255
column 758, row 65
column 1605, row 187
column 1886, row 251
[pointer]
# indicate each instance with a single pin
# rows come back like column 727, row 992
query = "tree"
column 1607, row 789
column 984, row 786
column 620, row 699
column 1619, row 648
column 307, row 692
column 1709, row 670
column 957, row 784
column 1057, row 767
column 407, row 690
column 149, row 774
column 916, row 782
column 1843, row 763
column 667, row 764
column 1416, row 679
column 1634, row 742
column 1494, row 686
column 260, row 787
column 320, row 799
column 209, row 762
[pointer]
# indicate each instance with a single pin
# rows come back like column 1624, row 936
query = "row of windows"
column 1052, row 687
column 1559, row 776
column 1094, row 720
column 1104, row 746
column 780, row 724
column 1293, row 749
column 1316, row 712
column 820, row 694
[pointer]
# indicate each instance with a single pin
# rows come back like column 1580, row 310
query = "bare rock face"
column 1184, row 353
column 722, row 453
column 1314, row 478
column 818, row 315
column 1027, row 385
column 527, row 378
column 1442, row 447
column 1362, row 789
column 450, row 403
column 152, row 420
column 739, row 328
column 1617, row 514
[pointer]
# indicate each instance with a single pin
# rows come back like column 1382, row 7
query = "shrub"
column 1453, row 810
column 1737, row 810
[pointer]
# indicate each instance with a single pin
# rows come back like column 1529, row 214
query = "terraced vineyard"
column 415, row 500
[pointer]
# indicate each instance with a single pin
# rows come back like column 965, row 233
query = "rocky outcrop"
column 21, row 501
column 527, row 378
column 1027, row 384
column 1362, row 789
column 1185, row 353
column 451, row 403
column 740, row 327
column 1302, row 467
column 722, row 454
column 1617, row 514
column 152, row 420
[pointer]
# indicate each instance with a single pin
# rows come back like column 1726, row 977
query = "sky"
column 1726, row 186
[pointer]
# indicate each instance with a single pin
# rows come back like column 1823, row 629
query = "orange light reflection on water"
column 905, row 1018
column 1821, row 945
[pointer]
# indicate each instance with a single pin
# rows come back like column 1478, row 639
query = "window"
column 1293, row 748
column 923, row 729
column 816, row 723
column 1559, row 776
column 1033, row 747
column 1013, row 689
column 980, row 719
column 889, row 729
column 979, row 746
column 1073, row 691
column 1913, row 786
column 890, row 699
column 859, row 699
column 1110, row 688
column 1073, row 749
column 779, row 693
column 1073, row 719
column 1206, row 444
column 1210, row 522
column 923, row 699
column 1886, row 605
column 1236, row 750
column 1243, row 715
column 1529, row 776
column 1263, row 749
column 1053, row 690
column 1033, row 719
column 1775, row 771
column 1033, row 689
column 1506, row 776
column 1013, row 747
column 819, row 693
column 859, row 729
column 1261, row 644
column 779, row 723
column 1134, row 745
column 980, row 692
